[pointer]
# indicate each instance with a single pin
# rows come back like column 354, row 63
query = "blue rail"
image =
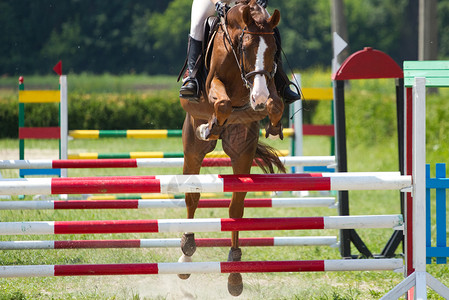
column 440, row 184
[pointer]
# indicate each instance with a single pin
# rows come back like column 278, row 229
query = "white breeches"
column 201, row 9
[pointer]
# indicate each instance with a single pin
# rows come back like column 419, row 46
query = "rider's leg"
column 280, row 78
column 190, row 86
column 201, row 9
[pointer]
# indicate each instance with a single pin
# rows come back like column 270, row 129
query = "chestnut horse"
column 239, row 91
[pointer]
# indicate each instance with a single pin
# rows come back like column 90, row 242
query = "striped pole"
column 156, row 154
column 164, row 203
column 202, row 267
column 160, row 196
column 172, row 184
column 288, row 161
column 172, row 243
column 199, row 225
column 142, row 133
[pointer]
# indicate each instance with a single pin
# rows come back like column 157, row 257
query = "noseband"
column 247, row 76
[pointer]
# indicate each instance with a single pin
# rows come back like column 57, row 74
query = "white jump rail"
column 200, row 225
column 171, row 243
column 168, row 184
column 288, row 161
column 202, row 267
column 163, row 203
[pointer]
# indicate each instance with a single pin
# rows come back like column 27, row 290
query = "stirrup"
column 191, row 97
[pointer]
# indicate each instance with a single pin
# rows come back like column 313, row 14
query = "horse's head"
column 252, row 34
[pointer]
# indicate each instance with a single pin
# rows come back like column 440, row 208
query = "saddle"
column 211, row 27
column 202, row 65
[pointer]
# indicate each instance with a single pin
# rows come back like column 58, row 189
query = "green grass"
column 372, row 146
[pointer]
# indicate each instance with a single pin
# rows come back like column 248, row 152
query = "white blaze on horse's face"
column 259, row 92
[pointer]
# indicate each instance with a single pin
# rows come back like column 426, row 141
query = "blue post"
column 441, row 212
column 428, row 217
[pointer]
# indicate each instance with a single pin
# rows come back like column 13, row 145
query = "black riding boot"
column 280, row 78
column 190, row 88
column 283, row 86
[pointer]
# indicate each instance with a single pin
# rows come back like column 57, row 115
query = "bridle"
column 241, row 50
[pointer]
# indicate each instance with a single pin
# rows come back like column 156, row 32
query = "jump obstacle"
column 419, row 278
column 180, row 225
column 60, row 132
column 418, row 76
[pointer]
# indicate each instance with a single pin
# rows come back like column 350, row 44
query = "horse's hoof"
column 203, row 132
column 188, row 245
column 182, row 259
column 235, row 254
column 274, row 132
column 183, row 276
column 235, row 284
column 273, row 137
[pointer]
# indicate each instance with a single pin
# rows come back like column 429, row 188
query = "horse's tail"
column 267, row 158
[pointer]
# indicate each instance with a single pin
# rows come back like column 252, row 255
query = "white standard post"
column 419, row 185
column 63, row 121
column 419, row 279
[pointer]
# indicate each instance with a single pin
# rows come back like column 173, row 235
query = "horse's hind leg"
column 194, row 153
column 240, row 143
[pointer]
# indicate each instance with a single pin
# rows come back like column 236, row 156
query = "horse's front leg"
column 275, row 108
column 222, row 110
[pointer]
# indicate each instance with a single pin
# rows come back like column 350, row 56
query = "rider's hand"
column 262, row 3
column 221, row 9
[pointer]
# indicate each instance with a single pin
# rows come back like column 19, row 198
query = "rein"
column 246, row 76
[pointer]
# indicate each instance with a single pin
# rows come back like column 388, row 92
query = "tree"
column 127, row 36
column 169, row 31
column 305, row 31
column 377, row 24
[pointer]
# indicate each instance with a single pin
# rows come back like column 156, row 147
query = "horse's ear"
column 246, row 13
column 275, row 18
